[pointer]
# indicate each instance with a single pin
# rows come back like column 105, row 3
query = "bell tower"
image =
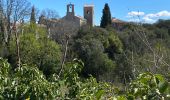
column 89, row 14
column 70, row 10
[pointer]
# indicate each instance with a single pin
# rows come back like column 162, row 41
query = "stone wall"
column 68, row 25
column 57, row 29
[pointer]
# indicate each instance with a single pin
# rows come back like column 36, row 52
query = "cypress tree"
column 32, row 19
column 106, row 18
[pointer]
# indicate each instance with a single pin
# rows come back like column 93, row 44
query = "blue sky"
column 128, row 10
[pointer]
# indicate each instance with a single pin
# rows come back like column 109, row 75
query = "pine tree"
column 32, row 19
column 106, row 18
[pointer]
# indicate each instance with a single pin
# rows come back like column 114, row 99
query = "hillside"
column 69, row 58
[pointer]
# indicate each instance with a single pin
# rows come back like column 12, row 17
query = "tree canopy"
column 106, row 17
column 96, row 63
column 32, row 18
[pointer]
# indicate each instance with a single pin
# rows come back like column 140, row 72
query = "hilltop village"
column 47, row 57
column 71, row 23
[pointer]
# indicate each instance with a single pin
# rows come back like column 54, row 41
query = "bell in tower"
column 70, row 10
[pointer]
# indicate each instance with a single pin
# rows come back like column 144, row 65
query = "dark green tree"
column 32, row 19
column 106, row 18
column 90, row 46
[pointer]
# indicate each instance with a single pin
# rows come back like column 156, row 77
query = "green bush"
column 37, row 50
column 28, row 82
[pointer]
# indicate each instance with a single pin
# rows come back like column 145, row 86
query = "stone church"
column 68, row 24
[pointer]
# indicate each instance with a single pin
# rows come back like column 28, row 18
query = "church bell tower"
column 89, row 14
column 70, row 10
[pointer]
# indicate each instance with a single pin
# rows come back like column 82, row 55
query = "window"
column 88, row 12
column 70, row 8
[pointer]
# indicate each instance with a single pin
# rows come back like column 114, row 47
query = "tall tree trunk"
column 64, row 56
column 17, row 46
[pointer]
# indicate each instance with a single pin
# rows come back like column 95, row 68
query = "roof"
column 80, row 17
column 89, row 5
column 115, row 20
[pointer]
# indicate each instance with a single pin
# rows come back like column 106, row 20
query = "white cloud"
column 163, row 14
column 153, row 17
column 135, row 13
column 159, row 14
column 134, row 20
column 148, row 18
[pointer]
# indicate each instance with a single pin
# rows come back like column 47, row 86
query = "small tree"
column 41, row 51
column 106, row 18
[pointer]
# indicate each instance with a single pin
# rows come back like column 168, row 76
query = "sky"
column 147, row 11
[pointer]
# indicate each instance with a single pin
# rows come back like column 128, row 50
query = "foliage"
column 113, row 45
column 163, row 24
column 134, row 59
column 30, row 83
column 27, row 82
column 149, row 87
column 97, row 47
column 33, row 19
column 37, row 49
column 106, row 17
column 4, row 76
column 146, row 48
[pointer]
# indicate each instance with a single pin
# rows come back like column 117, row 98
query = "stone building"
column 118, row 24
column 89, row 14
column 68, row 24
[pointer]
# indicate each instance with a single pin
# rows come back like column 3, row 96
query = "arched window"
column 88, row 12
column 70, row 8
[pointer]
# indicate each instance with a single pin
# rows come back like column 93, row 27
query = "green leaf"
column 163, row 87
column 159, row 78
column 99, row 94
column 121, row 98
column 130, row 97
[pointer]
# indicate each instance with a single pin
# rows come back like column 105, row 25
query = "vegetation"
column 106, row 17
column 94, row 46
column 30, row 83
column 97, row 63
column 33, row 19
column 37, row 49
